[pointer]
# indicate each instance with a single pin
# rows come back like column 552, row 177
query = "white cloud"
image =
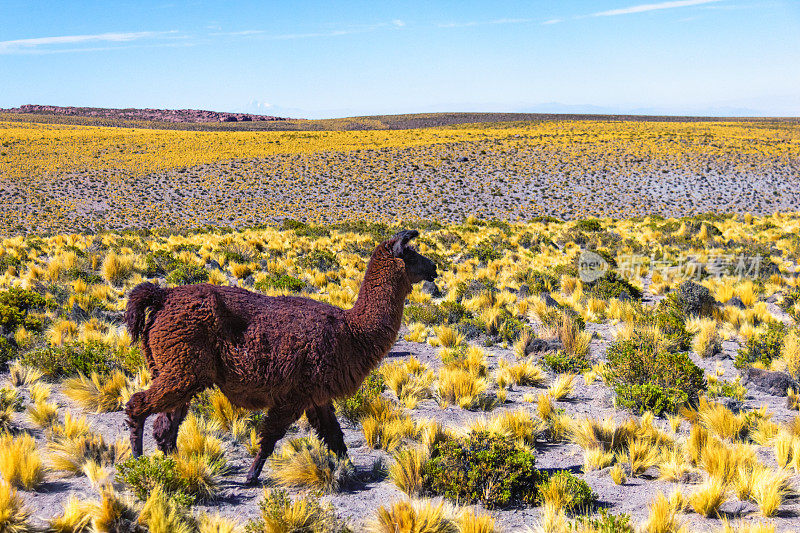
column 32, row 45
column 652, row 7
column 552, row 21
column 399, row 23
column 482, row 23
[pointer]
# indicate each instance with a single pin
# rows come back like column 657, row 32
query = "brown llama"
column 289, row 354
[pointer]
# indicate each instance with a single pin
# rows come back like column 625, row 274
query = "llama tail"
column 143, row 297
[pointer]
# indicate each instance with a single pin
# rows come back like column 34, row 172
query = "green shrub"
column 322, row 260
column 187, row 274
column 670, row 320
column 589, row 224
column 15, row 307
column 354, row 408
column 481, row 468
column 561, row 362
column 763, row 347
column 485, row 251
column 8, row 351
column 538, row 281
column 282, row 282
column 647, row 376
column 304, row 230
column 611, row 285
column 159, row 263
column 145, row 473
column 606, row 523
column 578, row 493
column 76, row 357
column 431, row 314
column 511, row 329
column 650, row 397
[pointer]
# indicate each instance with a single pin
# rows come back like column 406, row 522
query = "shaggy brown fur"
column 289, row 354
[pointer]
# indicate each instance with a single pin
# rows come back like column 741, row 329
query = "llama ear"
column 398, row 243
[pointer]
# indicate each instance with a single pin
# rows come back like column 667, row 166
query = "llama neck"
column 376, row 316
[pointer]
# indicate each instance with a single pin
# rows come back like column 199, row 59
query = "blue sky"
column 324, row 59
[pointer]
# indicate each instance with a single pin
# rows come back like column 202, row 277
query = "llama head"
column 417, row 267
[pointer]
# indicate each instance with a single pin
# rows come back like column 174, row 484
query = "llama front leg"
column 323, row 420
column 272, row 429
column 165, row 428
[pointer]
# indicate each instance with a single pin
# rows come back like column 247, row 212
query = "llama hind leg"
column 165, row 428
column 323, row 420
column 272, row 429
column 163, row 395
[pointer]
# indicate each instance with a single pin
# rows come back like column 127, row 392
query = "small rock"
column 213, row 265
column 549, row 300
column 430, row 288
column 537, row 346
column 624, row 296
column 736, row 302
column 112, row 317
column 767, row 381
column 78, row 314
column 772, row 299
column 462, row 159
column 524, row 291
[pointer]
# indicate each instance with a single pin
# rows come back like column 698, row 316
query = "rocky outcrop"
column 160, row 115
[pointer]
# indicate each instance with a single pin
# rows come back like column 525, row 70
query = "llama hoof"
column 251, row 481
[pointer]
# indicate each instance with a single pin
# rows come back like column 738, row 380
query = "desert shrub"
column 356, row 407
column 282, row 282
column 484, row 468
column 646, row 376
column 322, row 260
column 485, row 251
column 538, row 281
column 589, row 224
column 763, row 346
column 471, row 328
column 561, row 361
column 605, row 523
column 70, row 359
column 469, row 289
column 145, row 473
column 788, row 301
column 187, row 274
column 671, row 322
column 302, row 229
column 510, row 329
column 15, row 307
column 611, row 285
column 573, row 493
column 160, row 263
column 694, row 299
column 8, row 351
column 433, row 314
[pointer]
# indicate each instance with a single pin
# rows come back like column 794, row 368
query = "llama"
column 289, row 354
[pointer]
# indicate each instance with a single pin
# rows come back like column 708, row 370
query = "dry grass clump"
column 386, row 426
column 20, row 461
column 406, row 471
column 112, row 513
column 662, row 516
column 461, row 387
column 707, row 342
column 618, row 474
column 75, row 454
column 526, row 373
column 409, row 379
column 117, row 268
column 417, row 516
column 721, row 421
column 101, row 394
column 708, row 497
column 517, row 425
column 13, row 512
column 307, row 463
column 562, row 386
column 76, row 517
column 769, row 490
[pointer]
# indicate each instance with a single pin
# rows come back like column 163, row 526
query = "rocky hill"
column 161, row 115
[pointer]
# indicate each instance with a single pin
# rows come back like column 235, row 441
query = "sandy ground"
column 241, row 502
